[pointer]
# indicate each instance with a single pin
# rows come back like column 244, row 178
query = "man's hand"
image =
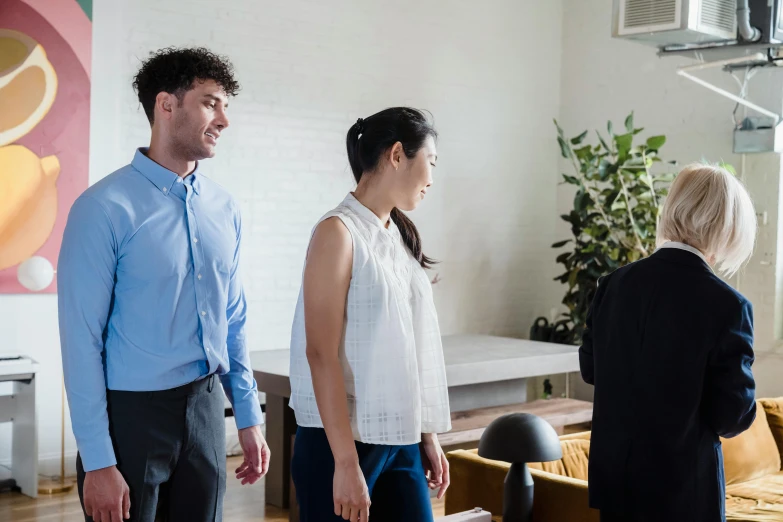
column 106, row 495
column 256, row 453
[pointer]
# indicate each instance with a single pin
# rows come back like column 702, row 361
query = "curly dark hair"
column 174, row 70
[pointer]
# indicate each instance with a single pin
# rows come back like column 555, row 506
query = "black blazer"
column 669, row 348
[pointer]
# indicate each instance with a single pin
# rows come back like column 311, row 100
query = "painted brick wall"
column 489, row 72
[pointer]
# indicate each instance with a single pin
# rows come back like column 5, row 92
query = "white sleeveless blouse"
column 391, row 351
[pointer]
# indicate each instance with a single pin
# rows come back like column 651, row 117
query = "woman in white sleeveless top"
column 368, row 381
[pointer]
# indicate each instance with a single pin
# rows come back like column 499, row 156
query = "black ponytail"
column 368, row 139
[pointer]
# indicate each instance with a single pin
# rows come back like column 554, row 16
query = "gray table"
column 18, row 408
column 482, row 371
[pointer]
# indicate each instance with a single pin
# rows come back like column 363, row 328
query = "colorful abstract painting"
column 45, row 55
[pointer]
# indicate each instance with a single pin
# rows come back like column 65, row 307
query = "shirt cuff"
column 247, row 412
column 98, row 454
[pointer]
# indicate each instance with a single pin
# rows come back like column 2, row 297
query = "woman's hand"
column 351, row 497
column 436, row 467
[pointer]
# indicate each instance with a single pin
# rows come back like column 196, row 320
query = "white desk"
column 482, row 371
column 19, row 409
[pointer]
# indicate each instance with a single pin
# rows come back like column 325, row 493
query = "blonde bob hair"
column 709, row 209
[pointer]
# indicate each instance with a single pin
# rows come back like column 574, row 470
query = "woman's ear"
column 395, row 155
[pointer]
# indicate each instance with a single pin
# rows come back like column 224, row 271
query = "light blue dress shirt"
column 150, row 296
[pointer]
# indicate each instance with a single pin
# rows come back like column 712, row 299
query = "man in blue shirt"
column 152, row 310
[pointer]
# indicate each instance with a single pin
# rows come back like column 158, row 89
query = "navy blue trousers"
column 394, row 475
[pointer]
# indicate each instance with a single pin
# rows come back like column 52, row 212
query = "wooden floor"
column 242, row 504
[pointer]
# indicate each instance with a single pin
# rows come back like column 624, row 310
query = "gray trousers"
column 171, row 449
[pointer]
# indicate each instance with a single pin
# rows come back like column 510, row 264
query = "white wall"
column 604, row 78
column 489, row 75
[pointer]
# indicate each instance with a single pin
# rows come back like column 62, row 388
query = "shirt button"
column 165, row 189
column 203, row 313
column 179, row 180
column 199, row 276
column 195, row 240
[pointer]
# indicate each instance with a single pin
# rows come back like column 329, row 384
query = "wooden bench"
column 468, row 426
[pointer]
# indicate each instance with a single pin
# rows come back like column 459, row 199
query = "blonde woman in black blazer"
column 669, row 348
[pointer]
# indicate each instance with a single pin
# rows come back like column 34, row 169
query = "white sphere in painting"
column 35, row 274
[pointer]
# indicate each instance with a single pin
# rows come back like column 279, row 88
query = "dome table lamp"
column 519, row 438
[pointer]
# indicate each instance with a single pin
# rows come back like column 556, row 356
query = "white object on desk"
column 474, row 515
column 19, row 408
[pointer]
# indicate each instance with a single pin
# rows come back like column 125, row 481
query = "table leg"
column 24, row 456
column 280, row 426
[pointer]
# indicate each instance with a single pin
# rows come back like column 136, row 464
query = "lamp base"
column 54, row 487
column 518, row 494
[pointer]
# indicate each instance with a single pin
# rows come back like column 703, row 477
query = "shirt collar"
column 687, row 248
column 162, row 177
column 365, row 213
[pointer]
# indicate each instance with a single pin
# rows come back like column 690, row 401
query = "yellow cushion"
column 574, row 462
column 752, row 454
column 768, row 488
column 774, row 410
column 740, row 509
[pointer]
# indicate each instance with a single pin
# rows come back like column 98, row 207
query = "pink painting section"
column 64, row 131
column 72, row 24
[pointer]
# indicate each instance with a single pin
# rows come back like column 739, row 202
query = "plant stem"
column 649, row 176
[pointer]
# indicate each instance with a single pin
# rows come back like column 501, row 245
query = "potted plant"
column 613, row 222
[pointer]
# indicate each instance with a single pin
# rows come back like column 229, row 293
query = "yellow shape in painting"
column 28, row 202
column 28, row 85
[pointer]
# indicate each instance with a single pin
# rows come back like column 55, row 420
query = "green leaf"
column 604, row 169
column 664, row 178
column 638, row 131
column 656, row 142
column 565, row 150
column 559, row 130
column 636, row 162
column 610, row 128
column 571, row 179
column 729, row 167
column 629, row 123
column 579, row 139
column 603, row 142
column 623, row 142
column 572, row 277
column 561, row 244
column 583, row 200
column 619, row 204
column 585, row 154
